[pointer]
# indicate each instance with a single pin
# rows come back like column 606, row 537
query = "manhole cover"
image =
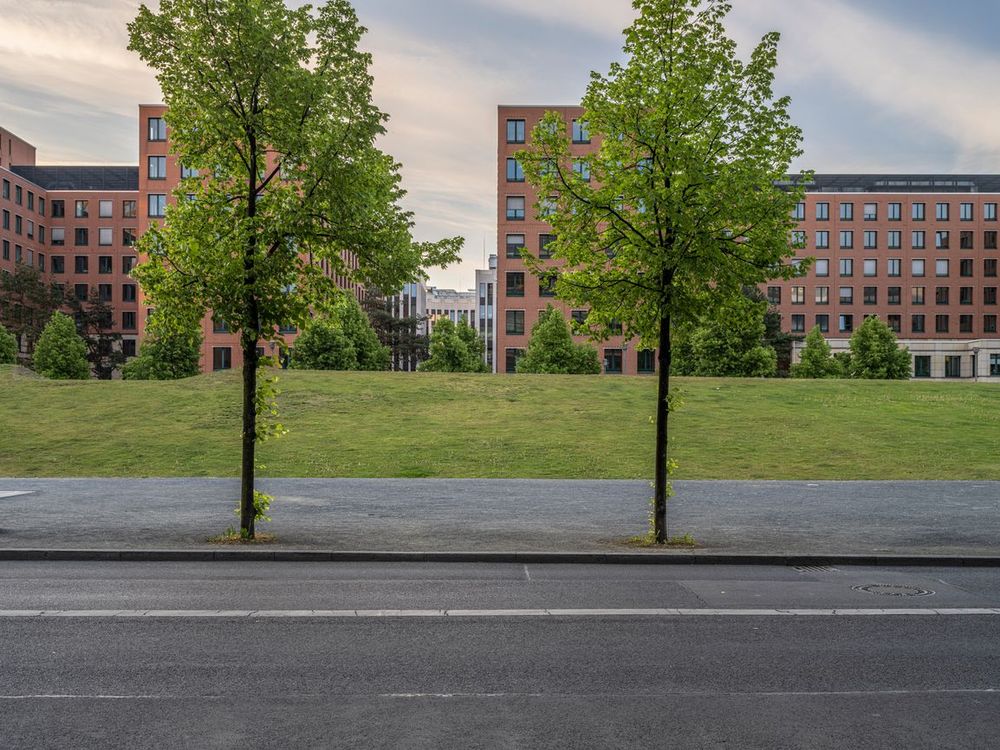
column 892, row 589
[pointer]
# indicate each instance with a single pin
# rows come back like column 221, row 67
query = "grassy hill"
column 436, row 425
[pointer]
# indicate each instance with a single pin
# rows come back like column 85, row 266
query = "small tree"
column 875, row 353
column 27, row 301
column 816, row 361
column 340, row 339
column 552, row 350
column 678, row 209
column 273, row 107
column 60, row 353
column 8, row 347
column 455, row 348
column 166, row 355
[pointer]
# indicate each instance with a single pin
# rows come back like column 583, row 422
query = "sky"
column 876, row 86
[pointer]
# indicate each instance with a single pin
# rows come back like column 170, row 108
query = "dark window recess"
column 646, row 361
column 613, row 361
column 222, row 358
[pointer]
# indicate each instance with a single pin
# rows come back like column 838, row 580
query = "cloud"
column 604, row 18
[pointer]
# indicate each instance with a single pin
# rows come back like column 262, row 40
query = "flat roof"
column 898, row 183
column 81, row 178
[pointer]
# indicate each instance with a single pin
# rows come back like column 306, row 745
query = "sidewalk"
column 423, row 515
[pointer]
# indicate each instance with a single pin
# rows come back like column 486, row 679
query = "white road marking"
column 527, row 575
column 492, row 613
column 5, row 494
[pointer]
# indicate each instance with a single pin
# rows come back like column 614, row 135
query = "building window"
column 128, row 292
column 871, row 240
column 941, row 241
column 547, row 285
column 941, row 267
column 917, row 267
column 158, row 205
column 613, row 361
column 18, row 195
column 894, row 240
column 822, row 240
column 515, row 172
column 219, row 325
column 582, row 169
column 798, row 323
column 80, row 292
column 990, row 240
column 871, row 267
column 846, row 240
column 128, row 322
column 6, row 189
column 157, row 168
column 918, row 240
column 58, row 264
column 823, row 321
column 822, row 212
column 822, row 295
column 81, row 210
column 941, row 294
column 965, row 324
column 774, row 295
column 917, row 212
column 515, row 244
column 581, row 131
column 128, row 237
column 952, row 367
column 965, row 295
column 58, row 209
column 128, row 209
column 989, row 295
column 645, row 361
column 189, row 173
column 515, row 322
column 515, row 131
column 921, row 366
column 128, row 263
column 845, row 323
column 544, row 241
column 157, row 129
column 871, row 212
column 941, row 212
column 799, row 212
column 222, row 358
column 81, row 264
column 512, row 355
column 579, row 317
column 894, row 266
column 917, row 295
column 895, row 211
column 822, row 267
column 105, row 264
column 798, row 295
column 515, row 208
column 917, row 323
column 965, row 240
column 847, row 212
column 515, row 284
column 105, row 237
column 105, row 209
column 895, row 323
column 104, row 292
column 847, row 295
column 941, row 324
column 990, row 267
column 846, row 266
column 989, row 324
column 871, row 295
column 894, row 295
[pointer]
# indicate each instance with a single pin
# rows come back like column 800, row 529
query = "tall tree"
column 95, row 323
column 677, row 210
column 273, row 107
column 403, row 336
column 551, row 349
column 27, row 301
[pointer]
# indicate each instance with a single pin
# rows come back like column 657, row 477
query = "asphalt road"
column 951, row 518
column 98, row 671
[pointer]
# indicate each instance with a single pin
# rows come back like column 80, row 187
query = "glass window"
column 894, row 240
column 582, row 168
column 774, row 295
column 871, row 240
column 80, row 292
column 989, row 295
column 990, row 267
column 613, row 361
column 941, row 294
column 515, row 172
column 941, row 211
column 105, row 236
column 822, row 295
column 965, row 240
column 128, row 209
column 846, row 211
column 894, row 266
column 645, row 361
column 871, row 267
column 921, row 366
column 128, row 237
column 990, row 240
column 845, row 323
column 895, row 323
column 895, row 211
column 822, row 240
column 515, row 322
column 105, row 209
column 822, row 212
column 515, row 208
column 917, row 324
column 823, row 321
column 515, row 244
column 58, row 264
column 989, row 212
column 544, row 241
column 846, row 266
column 917, row 267
column 80, row 237
column 515, row 284
column 81, row 210
column 128, row 324
column 822, row 267
column 798, row 323
column 894, row 295
column 188, row 173
column 105, row 264
column 952, row 367
column 871, row 295
column 846, row 240
column 989, row 324
column 512, row 355
column 965, row 267
column 871, row 212
column 581, row 131
column 941, row 240
column 965, row 324
column 799, row 211
column 798, row 295
column 158, row 205
column 222, row 358
column 157, row 167
column 515, row 131
column 157, row 129
column 58, row 209
column 847, row 295
column 917, row 240
column 941, row 324
column 917, row 212
column 917, row 295
column 941, row 267
column 965, row 212
column 128, row 292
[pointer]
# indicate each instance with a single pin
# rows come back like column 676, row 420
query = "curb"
column 588, row 558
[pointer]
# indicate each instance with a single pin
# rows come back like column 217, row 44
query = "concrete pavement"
column 865, row 518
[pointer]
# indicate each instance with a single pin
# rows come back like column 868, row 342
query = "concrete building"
column 486, row 286
column 918, row 251
column 520, row 296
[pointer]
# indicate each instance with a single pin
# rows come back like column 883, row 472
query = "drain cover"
column 892, row 589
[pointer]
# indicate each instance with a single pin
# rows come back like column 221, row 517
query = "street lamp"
column 975, row 362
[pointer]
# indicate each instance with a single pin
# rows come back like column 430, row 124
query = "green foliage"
column 168, row 355
column 730, row 344
column 455, row 348
column 95, row 321
column 551, row 350
column 816, row 361
column 27, row 301
column 340, row 339
column 402, row 336
column 60, row 353
column 273, row 107
column 875, row 353
column 8, row 347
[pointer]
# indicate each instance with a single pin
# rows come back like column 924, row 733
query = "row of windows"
column 81, row 264
column 104, row 294
column 22, row 227
column 81, row 237
column 19, row 195
column 918, row 323
column 894, row 267
column 22, row 255
column 105, row 209
column 515, row 172
column 515, row 285
column 516, row 208
column 517, row 131
column 156, row 169
column 894, row 240
column 613, row 361
column 894, row 211
column 515, row 245
column 894, row 295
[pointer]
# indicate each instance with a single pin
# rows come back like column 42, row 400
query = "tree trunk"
column 247, row 513
column 662, row 415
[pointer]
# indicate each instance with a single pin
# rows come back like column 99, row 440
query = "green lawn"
column 432, row 425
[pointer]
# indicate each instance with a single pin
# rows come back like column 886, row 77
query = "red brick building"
column 918, row 251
